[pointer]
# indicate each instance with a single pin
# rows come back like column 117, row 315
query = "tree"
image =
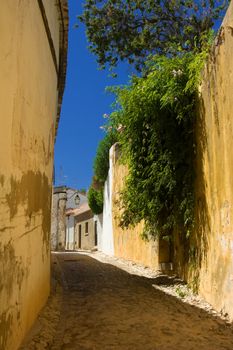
column 95, row 200
column 101, row 166
column 130, row 30
column 101, row 162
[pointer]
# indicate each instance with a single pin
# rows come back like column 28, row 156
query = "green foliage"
column 101, row 162
column 181, row 292
column 95, row 200
column 101, row 166
column 157, row 113
column 132, row 30
column 195, row 282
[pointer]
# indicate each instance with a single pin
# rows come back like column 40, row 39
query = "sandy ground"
column 102, row 303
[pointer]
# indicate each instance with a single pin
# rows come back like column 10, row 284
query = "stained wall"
column 28, row 99
column 215, row 167
column 209, row 266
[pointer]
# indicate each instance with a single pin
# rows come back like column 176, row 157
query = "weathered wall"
column 28, row 99
column 210, row 265
column 58, row 219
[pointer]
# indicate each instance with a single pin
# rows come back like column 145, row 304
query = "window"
column 86, row 227
column 79, row 236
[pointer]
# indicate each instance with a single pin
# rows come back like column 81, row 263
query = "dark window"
column 96, row 238
column 79, row 236
column 86, row 227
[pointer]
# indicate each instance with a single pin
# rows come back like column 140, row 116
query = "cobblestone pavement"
column 98, row 306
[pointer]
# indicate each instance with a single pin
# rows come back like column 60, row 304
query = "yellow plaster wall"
column 28, row 99
column 210, row 266
column 52, row 13
column 215, row 169
column 128, row 243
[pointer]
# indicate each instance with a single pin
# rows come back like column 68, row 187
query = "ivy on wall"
column 156, row 122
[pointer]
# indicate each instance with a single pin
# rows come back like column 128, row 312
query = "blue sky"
column 84, row 104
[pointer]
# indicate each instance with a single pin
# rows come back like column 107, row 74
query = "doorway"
column 96, row 235
column 79, row 236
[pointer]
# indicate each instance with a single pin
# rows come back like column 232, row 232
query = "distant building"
column 75, row 199
column 74, row 226
column 65, row 200
column 87, row 227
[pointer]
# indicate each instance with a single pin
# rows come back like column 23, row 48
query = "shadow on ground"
column 103, row 308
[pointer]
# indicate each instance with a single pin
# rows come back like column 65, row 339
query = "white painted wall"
column 99, row 219
column 70, row 243
column 105, row 243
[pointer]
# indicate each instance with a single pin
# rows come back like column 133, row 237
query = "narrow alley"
column 95, row 305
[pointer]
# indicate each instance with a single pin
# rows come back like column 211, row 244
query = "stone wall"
column 58, row 221
column 29, row 113
column 62, row 223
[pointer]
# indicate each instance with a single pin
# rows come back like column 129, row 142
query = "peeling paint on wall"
column 6, row 320
column 2, row 179
column 12, row 271
column 30, row 99
column 23, row 193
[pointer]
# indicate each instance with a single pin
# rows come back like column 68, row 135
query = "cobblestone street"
column 98, row 306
